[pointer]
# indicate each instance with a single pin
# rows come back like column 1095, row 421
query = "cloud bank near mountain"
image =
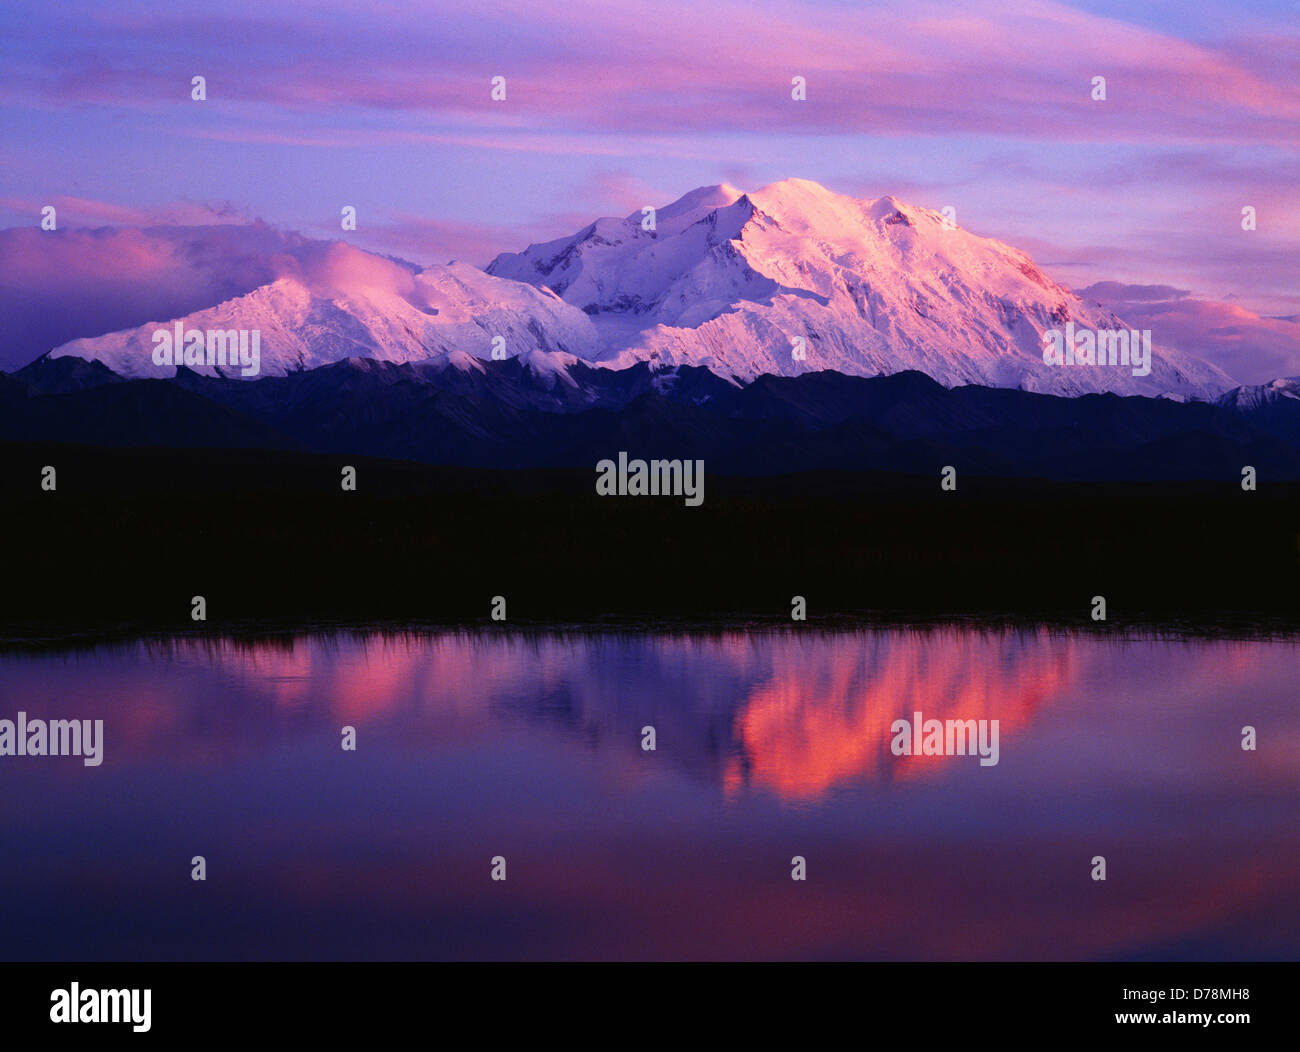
column 66, row 284
column 1253, row 348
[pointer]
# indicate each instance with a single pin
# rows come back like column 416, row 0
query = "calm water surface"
column 770, row 745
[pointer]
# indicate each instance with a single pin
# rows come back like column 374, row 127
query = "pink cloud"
column 1020, row 68
column 70, row 283
column 1246, row 345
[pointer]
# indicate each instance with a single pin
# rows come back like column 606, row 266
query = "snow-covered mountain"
column 728, row 280
column 725, row 280
column 1262, row 396
column 362, row 305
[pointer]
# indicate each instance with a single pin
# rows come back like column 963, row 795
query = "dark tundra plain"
column 129, row 537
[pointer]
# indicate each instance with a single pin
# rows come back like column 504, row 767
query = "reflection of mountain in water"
column 825, row 715
column 793, row 713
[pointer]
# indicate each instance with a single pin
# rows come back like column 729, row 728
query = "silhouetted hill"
column 509, row 414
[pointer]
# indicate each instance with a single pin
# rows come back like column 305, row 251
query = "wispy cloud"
column 1011, row 67
column 1252, row 348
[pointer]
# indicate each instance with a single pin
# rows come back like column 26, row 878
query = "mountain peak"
column 889, row 206
column 718, row 196
column 360, row 306
column 738, row 282
column 794, row 187
column 790, row 196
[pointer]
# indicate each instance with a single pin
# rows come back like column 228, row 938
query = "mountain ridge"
column 726, row 279
column 871, row 286
column 507, row 414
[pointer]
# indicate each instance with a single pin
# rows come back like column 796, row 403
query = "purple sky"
column 611, row 106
